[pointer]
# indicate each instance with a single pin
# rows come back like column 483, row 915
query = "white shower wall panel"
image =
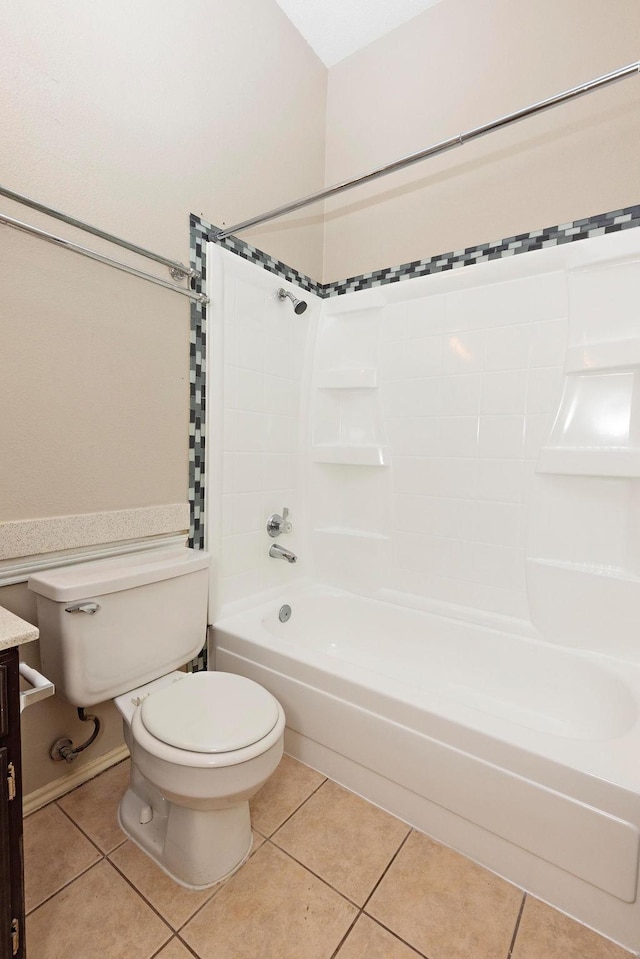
column 256, row 356
column 470, row 369
column 469, row 380
column 401, row 425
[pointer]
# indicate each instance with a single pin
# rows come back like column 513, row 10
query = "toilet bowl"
column 234, row 730
column 201, row 744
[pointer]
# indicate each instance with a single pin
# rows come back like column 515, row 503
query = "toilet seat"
column 210, row 712
column 192, row 760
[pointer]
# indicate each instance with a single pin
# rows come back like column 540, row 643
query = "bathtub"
column 524, row 756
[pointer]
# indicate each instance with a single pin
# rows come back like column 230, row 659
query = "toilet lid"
column 210, row 712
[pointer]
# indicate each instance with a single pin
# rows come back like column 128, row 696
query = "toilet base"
column 196, row 848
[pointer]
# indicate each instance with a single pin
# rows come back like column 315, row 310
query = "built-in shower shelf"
column 344, row 455
column 354, row 378
column 589, row 461
column 597, row 357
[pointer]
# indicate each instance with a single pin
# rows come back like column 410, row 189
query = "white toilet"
column 201, row 744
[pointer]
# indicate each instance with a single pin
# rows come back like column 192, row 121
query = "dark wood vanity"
column 11, row 856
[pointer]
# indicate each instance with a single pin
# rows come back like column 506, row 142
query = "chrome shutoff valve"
column 277, row 524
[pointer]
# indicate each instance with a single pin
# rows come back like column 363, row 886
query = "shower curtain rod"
column 178, row 270
column 84, row 251
column 441, row 147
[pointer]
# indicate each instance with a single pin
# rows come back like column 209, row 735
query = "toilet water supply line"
column 64, row 748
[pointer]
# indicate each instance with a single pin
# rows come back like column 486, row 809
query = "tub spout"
column 279, row 552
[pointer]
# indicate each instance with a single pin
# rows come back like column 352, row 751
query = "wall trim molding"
column 60, row 787
column 18, row 571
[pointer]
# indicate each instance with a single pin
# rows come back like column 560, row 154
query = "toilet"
column 201, row 744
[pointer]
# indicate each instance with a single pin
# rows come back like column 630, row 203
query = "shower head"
column 299, row 306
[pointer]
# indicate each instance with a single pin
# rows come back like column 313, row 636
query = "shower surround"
column 459, row 457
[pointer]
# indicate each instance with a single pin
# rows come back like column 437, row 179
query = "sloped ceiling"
column 337, row 28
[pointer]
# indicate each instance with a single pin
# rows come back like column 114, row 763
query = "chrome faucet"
column 277, row 524
column 279, row 552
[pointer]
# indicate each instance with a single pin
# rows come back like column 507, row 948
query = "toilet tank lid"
column 97, row 577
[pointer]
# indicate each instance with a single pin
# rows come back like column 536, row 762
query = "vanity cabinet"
column 11, row 857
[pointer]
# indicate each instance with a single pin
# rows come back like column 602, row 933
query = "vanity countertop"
column 15, row 631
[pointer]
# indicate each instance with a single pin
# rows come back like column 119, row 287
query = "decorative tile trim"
column 197, row 389
column 582, row 229
column 197, row 406
column 208, row 233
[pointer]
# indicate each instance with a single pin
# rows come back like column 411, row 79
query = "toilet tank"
column 151, row 617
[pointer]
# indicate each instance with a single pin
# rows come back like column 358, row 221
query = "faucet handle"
column 277, row 524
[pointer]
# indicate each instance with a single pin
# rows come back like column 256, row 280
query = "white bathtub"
column 522, row 755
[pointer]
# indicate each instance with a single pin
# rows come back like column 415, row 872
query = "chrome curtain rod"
column 178, row 270
column 441, row 147
column 84, row 251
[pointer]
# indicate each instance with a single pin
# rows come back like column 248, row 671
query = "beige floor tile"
column 55, row 852
column 344, row 839
column 544, row 933
column 273, row 909
column 368, row 940
column 444, row 905
column 98, row 915
column 174, row 950
column 290, row 785
column 94, row 806
column 174, row 903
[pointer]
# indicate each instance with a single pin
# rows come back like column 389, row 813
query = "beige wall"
column 132, row 116
column 129, row 116
column 458, row 65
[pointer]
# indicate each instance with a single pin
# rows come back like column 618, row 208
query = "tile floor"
column 330, row 877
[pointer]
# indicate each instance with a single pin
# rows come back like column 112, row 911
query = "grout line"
column 215, row 889
column 79, row 828
column 297, row 809
column 64, row 886
column 222, row 883
column 346, row 936
column 339, row 892
column 517, row 926
column 191, row 951
column 174, row 938
column 335, row 954
column 143, row 897
column 342, row 895
column 395, row 935
column 219, row 886
column 388, row 866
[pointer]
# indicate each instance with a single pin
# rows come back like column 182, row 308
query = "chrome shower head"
column 299, row 306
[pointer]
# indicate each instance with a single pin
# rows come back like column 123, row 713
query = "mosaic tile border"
column 511, row 246
column 197, row 410
column 207, row 232
column 197, row 391
column 582, row 229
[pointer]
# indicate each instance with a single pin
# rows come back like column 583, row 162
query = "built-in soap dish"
column 353, row 378
column 595, row 432
column 344, row 455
